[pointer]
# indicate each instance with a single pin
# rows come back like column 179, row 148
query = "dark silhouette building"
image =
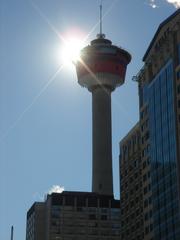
column 35, row 224
column 131, row 186
column 74, row 216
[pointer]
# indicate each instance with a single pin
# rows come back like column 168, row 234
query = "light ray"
column 43, row 16
column 31, row 104
column 92, row 74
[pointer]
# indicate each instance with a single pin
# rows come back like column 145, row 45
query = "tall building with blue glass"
column 159, row 127
column 159, row 93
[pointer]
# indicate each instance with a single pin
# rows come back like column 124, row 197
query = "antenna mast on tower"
column 12, row 232
column 100, row 18
column 100, row 35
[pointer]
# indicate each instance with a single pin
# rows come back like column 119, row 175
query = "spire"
column 12, row 232
column 100, row 18
column 100, row 35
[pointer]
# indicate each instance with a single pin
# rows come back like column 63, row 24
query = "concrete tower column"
column 102, row 176
column 102, row 68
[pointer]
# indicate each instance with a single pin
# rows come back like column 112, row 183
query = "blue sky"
column 45, row 132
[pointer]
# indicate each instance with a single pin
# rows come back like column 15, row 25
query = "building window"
column 92, row 216
column 178, row 103
column 146, row 203
column 178, row 89
column 179, row 53
column 178, row 75
column 145, row 190
column 151, row 227
column 135, row 175
column 131, row 179
column 137, row 212
column 142, row 115
column 103, row 217
column 146, row 217
column 136, row 163
column 131, row 203
column 147, row 136
column 144, row 164
column 144, row 177
column 150, row 213
column 137, row 224
column 147, row 230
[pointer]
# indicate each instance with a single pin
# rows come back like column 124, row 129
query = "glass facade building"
column 158, row 96
column 159, row 130
column 159, row 90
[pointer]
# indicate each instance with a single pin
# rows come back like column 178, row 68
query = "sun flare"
column 70, row 51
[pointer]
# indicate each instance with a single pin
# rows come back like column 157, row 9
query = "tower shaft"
column 102, row 180
column 102, row 68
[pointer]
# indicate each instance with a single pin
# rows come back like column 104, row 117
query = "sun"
column 70, row 51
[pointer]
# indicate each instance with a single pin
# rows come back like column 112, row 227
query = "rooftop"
column 167, row 20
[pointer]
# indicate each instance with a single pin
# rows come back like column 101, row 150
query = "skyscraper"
column 131, row 186
column 158, row 92
column 159, row 103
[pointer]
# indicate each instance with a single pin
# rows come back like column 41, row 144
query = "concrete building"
column 131, row 186
column 74, row 216
column 35, row 222
column 159, row 126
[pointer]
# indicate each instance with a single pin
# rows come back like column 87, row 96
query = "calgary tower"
column 102, row 68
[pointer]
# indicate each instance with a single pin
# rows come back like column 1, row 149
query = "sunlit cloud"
column 56, row 189
column 176, row 3
column 43, row 196
column 153, row 4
